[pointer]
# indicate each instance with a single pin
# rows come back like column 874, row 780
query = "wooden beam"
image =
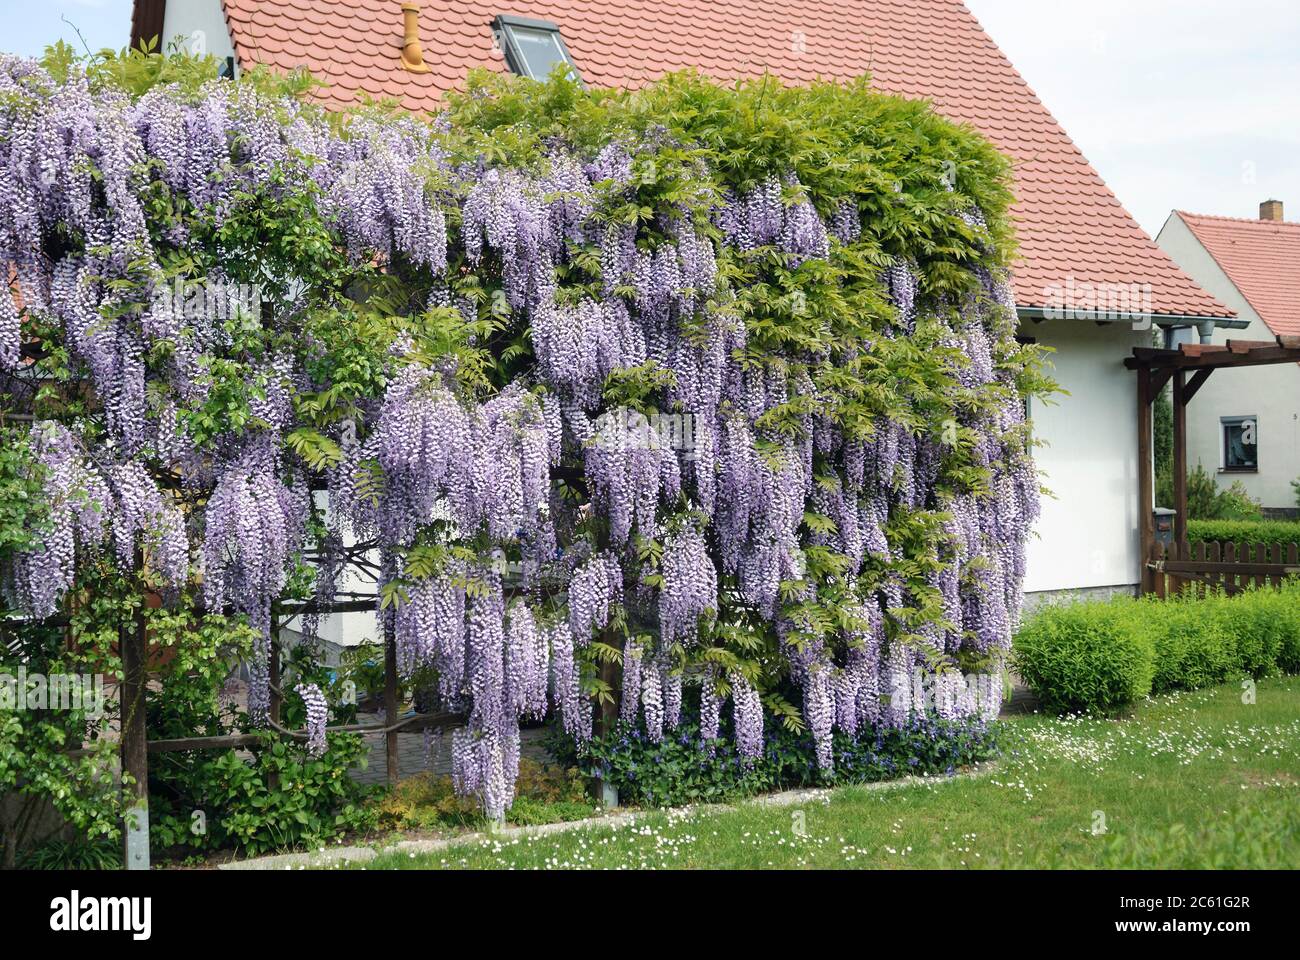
column 1246, row 346
column 1146, row 481
column 428, row 721
column 1180, row 458
column 1243, row 569
column 1197, row 381
column 1145, row 359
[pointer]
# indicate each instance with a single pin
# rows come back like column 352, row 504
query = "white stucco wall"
column 201, row 23
column 1087, row 536
column 1271, row 394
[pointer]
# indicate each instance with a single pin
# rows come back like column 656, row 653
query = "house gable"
column 1259, row 258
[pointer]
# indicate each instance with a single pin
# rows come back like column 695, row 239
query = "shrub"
column 1269, row 532
column 1191, row 647
column 1206, row 501
column 1103, row 655
column 1257, row 625
column 1085, row 656
column 544, row 794
column 685, row 768
column 1287, row 610
column 77, row 853
column 315, row 800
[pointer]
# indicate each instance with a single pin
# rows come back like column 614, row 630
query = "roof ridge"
column 1186, row 214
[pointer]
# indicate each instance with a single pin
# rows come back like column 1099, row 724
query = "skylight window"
column 532, row 47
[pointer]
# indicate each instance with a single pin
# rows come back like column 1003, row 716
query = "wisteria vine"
column 707, row 421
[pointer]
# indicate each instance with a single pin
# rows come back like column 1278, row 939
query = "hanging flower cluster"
column 665, row 415
column 318, row 713
column 89, row 506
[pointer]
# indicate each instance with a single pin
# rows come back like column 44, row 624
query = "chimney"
column 1270, row 210
column 412, row 55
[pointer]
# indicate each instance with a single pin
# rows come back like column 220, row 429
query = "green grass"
column 1190, row 780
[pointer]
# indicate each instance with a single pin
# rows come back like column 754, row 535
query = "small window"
column 532, row 47
column 1240, row 444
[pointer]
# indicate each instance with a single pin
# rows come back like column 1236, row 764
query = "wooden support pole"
column 134, row 747
column 607, row 712
column 274, row 699
column 1146, row 480
column 1180, row 459
column 273, row 667
column 610, row 674
column 1198, row 379
column 390, row 701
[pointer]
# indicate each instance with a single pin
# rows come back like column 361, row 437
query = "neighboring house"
column 1245, row 424
column 1088, row 283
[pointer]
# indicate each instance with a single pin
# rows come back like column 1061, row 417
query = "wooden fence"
column 1229, row 567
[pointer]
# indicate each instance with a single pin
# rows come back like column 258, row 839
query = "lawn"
column 1191, row 780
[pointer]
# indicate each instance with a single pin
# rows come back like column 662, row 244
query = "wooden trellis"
column 1187, row 368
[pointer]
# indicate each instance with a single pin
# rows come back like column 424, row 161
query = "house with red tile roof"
column 1088, row 283
column 1245, row 424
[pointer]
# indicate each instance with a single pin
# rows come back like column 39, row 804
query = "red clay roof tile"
column 1262, row 259
column 1070, row 224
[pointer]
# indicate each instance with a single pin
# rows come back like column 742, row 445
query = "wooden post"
column 390, row 701
column 609, row 673
column 273, row 667
column 1180, row 457
column 607, row 712
column 273, row 672
column 134, row 745
column 1146, row 480
column 607, row 715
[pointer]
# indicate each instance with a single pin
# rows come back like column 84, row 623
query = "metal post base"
column 136, row 826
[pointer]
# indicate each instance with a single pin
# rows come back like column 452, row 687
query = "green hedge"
column 1081, row 656
column 1104, row 655
column 1244, row 531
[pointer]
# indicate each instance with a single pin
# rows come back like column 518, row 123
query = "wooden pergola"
column 1188, row 367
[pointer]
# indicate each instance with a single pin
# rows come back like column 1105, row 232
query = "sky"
column 1178, row 104
column 28, row 25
